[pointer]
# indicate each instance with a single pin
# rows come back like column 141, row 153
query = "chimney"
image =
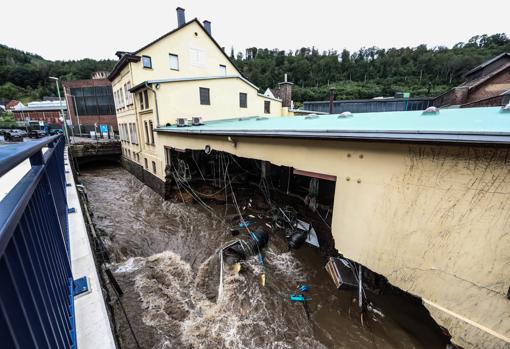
column 207, row 26
column 286, row 92
column 180, row 17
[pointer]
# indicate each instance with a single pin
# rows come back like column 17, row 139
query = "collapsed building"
column 421, row 198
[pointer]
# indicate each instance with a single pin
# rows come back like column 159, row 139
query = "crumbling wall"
column 433, row 219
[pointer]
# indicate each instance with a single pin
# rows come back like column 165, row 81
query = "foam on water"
column 175, row 305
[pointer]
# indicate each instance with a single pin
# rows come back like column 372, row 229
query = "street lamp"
column 61, row 108
column 76, row 111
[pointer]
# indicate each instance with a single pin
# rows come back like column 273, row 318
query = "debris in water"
column 303, row 288
column 245, row 224
column 262, row 279
column 242, row 249
column 341, row 272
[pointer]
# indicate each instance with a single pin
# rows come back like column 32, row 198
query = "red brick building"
column 90, row 104
column 486, row 85
column 47, row 111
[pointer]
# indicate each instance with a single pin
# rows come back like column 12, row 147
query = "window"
column 204, row 96
column 132, row 131
column 147, row 140
column 223, row 70
column 243, row 100
column 174, row 61
column 129, row 96
column 122, row 101
column 151, row 131
column 168, row 156
column 154, row 167
column 147, row 62
column 267, row 107
column 95, row 100
column 144, row 99
column 197, row 57
column 146, row 163
column 142, row 105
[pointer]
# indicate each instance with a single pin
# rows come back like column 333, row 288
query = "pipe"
column 155, row 101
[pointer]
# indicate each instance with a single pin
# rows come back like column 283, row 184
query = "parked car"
column 23, row 133
column 36, row 134
column 56, row 131
column 13, row 136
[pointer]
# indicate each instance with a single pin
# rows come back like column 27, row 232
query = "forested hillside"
column 367, row 73
column 24, row 76
column 370, row 72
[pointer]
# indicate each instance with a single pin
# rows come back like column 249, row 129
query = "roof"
column 118, row 67
column 11, row 104
column 486, row 63
column 123, row 61
column 196, row 78
column 473, row 125
column 43, row 105
column 471, row 84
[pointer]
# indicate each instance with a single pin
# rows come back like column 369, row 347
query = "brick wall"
column 493, row 87
column 50, row 116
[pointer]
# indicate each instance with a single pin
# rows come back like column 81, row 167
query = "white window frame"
column 176, row 61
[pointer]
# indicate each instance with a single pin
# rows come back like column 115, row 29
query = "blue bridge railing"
column 36, row 284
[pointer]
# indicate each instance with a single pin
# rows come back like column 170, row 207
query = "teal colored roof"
column 470, row 125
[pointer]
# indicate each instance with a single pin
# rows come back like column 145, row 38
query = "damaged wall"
column 433, row 219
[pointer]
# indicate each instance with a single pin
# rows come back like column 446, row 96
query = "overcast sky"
column 69, row 29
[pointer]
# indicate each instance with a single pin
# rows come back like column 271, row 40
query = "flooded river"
column 164, row 255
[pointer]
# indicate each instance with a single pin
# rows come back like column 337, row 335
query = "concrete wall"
column 144, row 176
column 433, row 219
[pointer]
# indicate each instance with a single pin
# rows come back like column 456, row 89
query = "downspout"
column 156, row 102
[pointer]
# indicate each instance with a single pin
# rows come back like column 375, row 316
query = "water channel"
column 164, row 255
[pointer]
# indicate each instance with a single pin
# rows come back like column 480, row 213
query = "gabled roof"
column 118, row 67
column 486, row 63
column 11, row 104
column 472, row 84
column 126, row 58
column 471, row 125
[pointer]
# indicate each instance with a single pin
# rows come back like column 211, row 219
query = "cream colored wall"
column 180, row 43
column 126, row 114
column 433, row 219
column 182, row 99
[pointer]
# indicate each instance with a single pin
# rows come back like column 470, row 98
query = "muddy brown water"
column 165, row 257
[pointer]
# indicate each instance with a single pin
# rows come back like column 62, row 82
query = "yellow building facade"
column 183, row 74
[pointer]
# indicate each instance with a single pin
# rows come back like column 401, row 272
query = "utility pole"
column 61, row 108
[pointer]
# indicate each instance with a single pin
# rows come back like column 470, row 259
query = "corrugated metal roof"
column 44, row 105
column 472, row 125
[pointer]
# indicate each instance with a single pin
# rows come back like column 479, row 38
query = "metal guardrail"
column 36, row 284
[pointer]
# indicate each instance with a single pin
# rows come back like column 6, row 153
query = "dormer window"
column 147, row 62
